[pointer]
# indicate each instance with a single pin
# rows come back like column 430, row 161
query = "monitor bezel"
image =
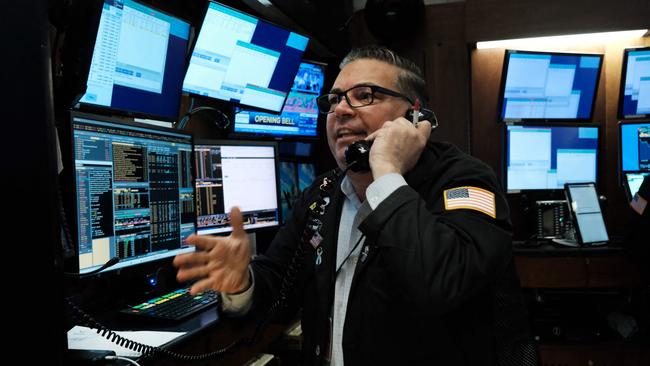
column 620, row 146
column 117, row 112
column 73, row 227
column 574, row 218
column 550, row 192
column 504, row 73
column 621, row 91
column 234, row 142
column 280, row 137
column 193, row 45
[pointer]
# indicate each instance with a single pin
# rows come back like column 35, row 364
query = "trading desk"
column 547, row 265
column 205, row 332
column 548, row 269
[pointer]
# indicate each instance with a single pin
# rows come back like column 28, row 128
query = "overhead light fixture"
column 266, row 3
column 555, row 41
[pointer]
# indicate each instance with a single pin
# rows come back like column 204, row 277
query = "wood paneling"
column 505, row 19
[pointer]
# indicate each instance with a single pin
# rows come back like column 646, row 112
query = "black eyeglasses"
column 357, row 96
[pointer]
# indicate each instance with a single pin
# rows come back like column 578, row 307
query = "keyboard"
column 176, row 305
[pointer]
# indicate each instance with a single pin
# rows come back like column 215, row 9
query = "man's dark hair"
column 409, row 80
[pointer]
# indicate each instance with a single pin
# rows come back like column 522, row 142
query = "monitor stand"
column 566, row 242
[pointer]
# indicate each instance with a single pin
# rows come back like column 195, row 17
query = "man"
column 410, row 263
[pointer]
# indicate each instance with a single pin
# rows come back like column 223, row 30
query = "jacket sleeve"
column 440, row 258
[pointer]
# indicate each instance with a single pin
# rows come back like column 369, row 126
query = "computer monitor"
column 236, row 173
column 634, row 97
column 545, row 157
column 634, row 146
column 138, row 62
column 242, row 59
column 548, row 86
column 134, row 191
column 299, row 117
column 586, row 214
column 632, row 183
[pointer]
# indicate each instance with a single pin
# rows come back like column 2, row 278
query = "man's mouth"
column 346, row 134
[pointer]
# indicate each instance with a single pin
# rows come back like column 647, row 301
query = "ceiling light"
column 555, row 41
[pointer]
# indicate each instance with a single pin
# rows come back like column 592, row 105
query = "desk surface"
column 549, row 249
column 205, row 332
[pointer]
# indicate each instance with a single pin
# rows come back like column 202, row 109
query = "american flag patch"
column 471, row 198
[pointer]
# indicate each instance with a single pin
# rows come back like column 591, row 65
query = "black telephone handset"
column 358, row 153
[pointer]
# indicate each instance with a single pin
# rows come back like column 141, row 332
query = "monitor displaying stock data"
column 134, row 192
column 242, row 59
column 549, row 86
column 138, row 62
column 545, row 157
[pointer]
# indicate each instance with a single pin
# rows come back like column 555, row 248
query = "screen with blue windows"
column 546, row 157
column 138, row 61
column 236, row 173
column 299, row 117
column 635, row 146
column 243, row 59
column 635, row 84
column 549, row 86
column 134, row 191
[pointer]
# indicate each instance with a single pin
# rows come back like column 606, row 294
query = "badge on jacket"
column 470, row 198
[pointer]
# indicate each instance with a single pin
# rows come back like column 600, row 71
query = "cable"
column 221, row 123
column 111, row 358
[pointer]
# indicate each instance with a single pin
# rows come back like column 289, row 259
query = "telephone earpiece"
column 358, row 153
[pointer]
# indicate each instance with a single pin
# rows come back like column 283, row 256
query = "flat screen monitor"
column 299, row 117
column 134, row 191
column 549, row 86
column 544, row 157
column 138, row 62
column 634, row 146
column 586, row 214
column 236, row 173
column 632, row 183
column 243, row 59
column 634, row 98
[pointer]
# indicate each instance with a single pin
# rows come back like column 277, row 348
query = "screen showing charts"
column 635, row 146
column 134, row 192
column 138, row 61
column 236, row 173
column 635, row 88
column 243, row 59
column 547, row 157
column 549, row 86
column 299, row 116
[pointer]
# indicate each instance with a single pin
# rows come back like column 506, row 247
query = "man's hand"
column 397, row 145
column 221, row 263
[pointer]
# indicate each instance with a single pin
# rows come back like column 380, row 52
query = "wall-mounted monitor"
column 634, row 146
column 242, row 59
column 545, row 157
column 548, row 86
column 299, row 117
column 236, row 173
column 138, row 62
column 134, row 191
column 634, row 98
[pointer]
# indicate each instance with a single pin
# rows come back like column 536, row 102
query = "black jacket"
column 426, row 292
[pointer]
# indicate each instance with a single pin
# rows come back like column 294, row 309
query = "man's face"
column 346, row 125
